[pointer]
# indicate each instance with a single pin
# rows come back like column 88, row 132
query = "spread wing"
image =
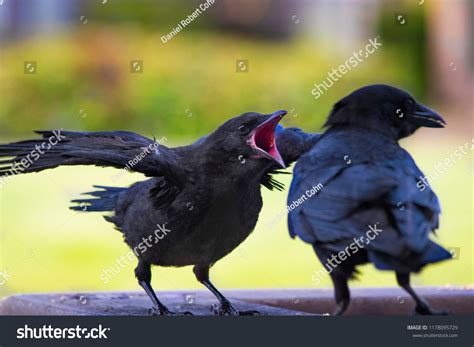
column 119, row 149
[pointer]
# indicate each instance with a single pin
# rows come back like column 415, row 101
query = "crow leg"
column 341, row 292
column 422, row 306
column 226, row 308
column 143, row 274
column 339, row 277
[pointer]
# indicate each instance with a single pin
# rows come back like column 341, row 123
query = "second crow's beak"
column 262, row 137
column 425, row 117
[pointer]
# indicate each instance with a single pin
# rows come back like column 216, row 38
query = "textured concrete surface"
column 129, row 304
column 365, row 301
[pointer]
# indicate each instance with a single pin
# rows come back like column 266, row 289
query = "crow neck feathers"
column 349, row 115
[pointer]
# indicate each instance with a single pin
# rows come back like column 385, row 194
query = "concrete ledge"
column 365, row 301
column 121, row 303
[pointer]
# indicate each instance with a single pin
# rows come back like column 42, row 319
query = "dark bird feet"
column 341, row 308
column 226, row 309
column 426, row 310
column 165, row 312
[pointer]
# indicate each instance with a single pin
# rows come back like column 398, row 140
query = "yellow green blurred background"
column 189, row 85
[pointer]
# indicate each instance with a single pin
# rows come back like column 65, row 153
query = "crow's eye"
column 243, row 129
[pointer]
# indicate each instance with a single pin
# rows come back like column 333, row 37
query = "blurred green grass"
column 87, row 72
column 46, row 247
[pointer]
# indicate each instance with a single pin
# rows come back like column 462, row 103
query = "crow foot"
column 163, row 311
column 426, row 310
column 226, row 309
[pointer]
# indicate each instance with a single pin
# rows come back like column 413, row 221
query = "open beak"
column 262, row 138
column 426, row 117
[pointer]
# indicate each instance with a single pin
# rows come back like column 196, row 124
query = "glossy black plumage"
column 205, row 195
column 368, row 181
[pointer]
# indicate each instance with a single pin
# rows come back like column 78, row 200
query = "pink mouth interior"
column 264, row 138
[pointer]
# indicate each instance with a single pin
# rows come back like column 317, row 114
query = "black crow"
column 202, row 201
column 369, row 207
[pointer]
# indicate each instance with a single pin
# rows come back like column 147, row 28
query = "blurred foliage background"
column 85, row 69
column 84, row 80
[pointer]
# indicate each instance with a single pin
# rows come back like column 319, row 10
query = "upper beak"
column 426, row 117
column 263, row 137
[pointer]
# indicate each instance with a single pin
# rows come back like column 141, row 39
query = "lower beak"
column 263, row 137
column 426, row 117
column 278, row 159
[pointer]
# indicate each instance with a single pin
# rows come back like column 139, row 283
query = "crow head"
column 383, row 109
column 247, row 139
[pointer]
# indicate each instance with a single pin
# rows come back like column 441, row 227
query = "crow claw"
column 226, row 309
column 165, row 312
column 428, row 311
